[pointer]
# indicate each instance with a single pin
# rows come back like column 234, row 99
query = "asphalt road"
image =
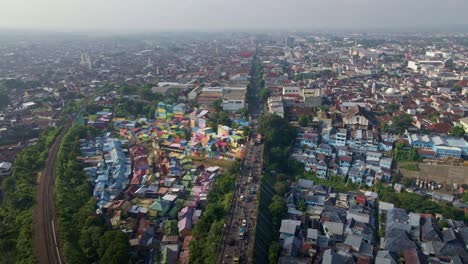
column 244, row 211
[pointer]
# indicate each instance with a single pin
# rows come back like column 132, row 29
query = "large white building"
column 291, row 91
column 233, row 99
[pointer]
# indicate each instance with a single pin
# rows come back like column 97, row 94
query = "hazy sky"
column 228, row 14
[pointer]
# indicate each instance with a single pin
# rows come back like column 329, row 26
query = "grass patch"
column 409, row 165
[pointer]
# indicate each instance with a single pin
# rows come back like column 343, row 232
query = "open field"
column 211, row 162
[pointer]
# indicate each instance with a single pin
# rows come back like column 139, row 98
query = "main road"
column 236, row 247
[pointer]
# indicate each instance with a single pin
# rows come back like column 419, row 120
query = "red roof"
column 440, row 128
column 245, row 54
column 462, row 83
column 404, row 141
column 361, row 199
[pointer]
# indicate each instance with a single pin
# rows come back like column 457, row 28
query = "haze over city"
column 153, row 15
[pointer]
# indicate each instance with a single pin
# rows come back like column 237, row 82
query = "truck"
column 241, row 233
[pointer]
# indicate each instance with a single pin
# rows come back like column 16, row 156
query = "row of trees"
column 4, row 99
column 279, row 137
column 16, row 210
column 208, row 231
column 85, row 236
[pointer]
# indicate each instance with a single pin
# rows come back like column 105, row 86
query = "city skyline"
column 210, row 15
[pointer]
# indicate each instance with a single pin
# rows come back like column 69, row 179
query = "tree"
column 392, row 108
column 89, row 241
column 273, row 252
column 114, row 248
column 456, row 88
column 277, row 207
column 457, row 131
column 4, row 99
column 408, row 182
column 243, row 112
column 384, row 127
column 301, row 205
column 304, row 120
column 217, row 105
column 264, row 94
column 402, row 122
column 262, row 83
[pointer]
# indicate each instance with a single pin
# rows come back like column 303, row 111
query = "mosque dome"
column 390, row 91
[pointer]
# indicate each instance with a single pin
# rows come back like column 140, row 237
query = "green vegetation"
column 143, row 91
column 457, row 131
column 416, row 203
column 72, row 106
column 16, row 217
column 125, row 107
column 217, row 105
column 402, row 153
column 219, row 118
column 263, row 94
column 270, row 210
column 465, row 197
column 208, row 231
column 392, row 108
column 21, row 133
column 304, row 120
column 279, row 135
column 273, row 252
column 85, row 237
column 409, row 165
column 13, row 84
column 401, row 123
column 336, row 182
column 4, row 99
column 456, row 88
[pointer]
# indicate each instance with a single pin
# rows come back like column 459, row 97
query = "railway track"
column 46, row 244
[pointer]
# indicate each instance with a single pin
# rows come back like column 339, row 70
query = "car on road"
column 241, row 233
column 242, row 197
column 244, row 223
